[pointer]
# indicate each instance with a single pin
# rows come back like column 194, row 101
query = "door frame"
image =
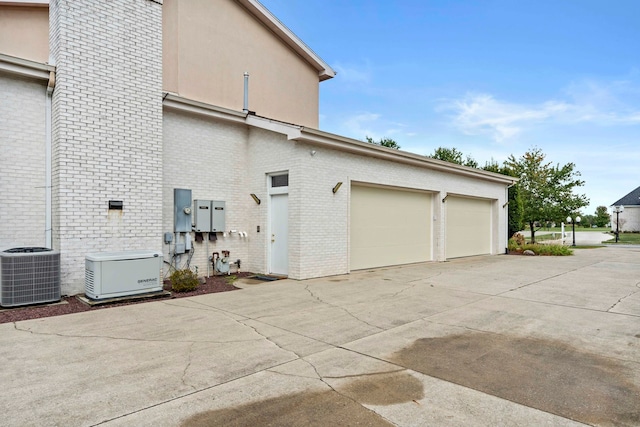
column 275, row 191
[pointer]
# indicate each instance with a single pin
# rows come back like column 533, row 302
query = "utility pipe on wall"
column 245, row 107
column 48, row 223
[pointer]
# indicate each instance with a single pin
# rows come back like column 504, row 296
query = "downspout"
column 506, row 217
column 48, row 222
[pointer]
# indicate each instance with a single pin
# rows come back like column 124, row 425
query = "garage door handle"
column 273, row 238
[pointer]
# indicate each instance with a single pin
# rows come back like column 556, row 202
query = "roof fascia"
column 263, row 14
column 25, row 67
column 176, row 102
column 336, row 142
column 317, row 137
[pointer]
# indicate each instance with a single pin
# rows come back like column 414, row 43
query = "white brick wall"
column 209, row 158
column 107, row 128
column 223, row 161
column 319, row 219
column 22, row 162
column 629, row 219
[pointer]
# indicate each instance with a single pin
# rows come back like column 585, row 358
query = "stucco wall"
column 22, row 162
column 209, row 44
column 107, row 129
column 24, row 32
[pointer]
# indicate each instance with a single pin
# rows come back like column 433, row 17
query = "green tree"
column 602, row 216
column 453, row 155
column 546, row 190
column 587, row 220
column 385, row 142
column 515, row 209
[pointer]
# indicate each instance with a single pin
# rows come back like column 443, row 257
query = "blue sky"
column 489, row 77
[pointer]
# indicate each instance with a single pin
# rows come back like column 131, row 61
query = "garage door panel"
column 468, row 230
column 389, row 227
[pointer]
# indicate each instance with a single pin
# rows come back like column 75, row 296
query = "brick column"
column 107, row 129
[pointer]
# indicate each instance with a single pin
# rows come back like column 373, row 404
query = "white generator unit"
column 119, row 274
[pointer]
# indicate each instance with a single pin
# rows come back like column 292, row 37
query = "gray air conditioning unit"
column 119, row 274
column 29, row 276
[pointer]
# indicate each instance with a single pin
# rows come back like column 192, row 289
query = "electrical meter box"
column 181, row 210
column 217, row 216
column 202, row 215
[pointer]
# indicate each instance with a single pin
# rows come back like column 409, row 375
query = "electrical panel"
column 202, row 215
column 181, row 210
column 217, row 216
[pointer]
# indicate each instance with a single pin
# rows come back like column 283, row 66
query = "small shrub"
column 230, row 279
column 184, row 280
column 553, row 250
column 516, row 242
column 519, row 239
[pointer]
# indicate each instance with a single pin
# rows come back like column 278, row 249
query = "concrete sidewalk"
column 503, row 340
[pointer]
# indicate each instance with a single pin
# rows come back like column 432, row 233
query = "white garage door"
column 468, row 227
column 389, row 226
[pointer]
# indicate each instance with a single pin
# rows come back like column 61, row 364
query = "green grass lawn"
column 627, row 239
column 568, row 229
column 543, row 237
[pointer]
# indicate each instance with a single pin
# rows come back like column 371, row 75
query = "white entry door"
column 279, row 234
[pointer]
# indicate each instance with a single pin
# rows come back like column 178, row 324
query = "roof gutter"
column 177, row 102
column 337, row 142
column 26, row 68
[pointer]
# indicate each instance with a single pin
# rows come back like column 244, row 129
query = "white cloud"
column 483, row 114
column 373, row 125
column 587, row 102
column 354, row 74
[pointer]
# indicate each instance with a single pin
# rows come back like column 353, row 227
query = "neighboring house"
column 128, row 100
column 630, row 216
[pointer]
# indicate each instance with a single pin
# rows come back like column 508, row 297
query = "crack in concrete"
column 186, row 368
column 370, row 374
column 208, row 308
column 426, row 278
column 403, row 290
column 109, row 337
column 547, row 278
column 270, row 340
column 321, row 378
column 624, row 297
column 341, row 308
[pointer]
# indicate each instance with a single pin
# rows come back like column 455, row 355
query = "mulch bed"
column 72, row 304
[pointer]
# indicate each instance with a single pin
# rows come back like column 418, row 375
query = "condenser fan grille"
column 29, row 276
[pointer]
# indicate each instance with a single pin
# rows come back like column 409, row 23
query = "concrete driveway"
column 503, row 340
